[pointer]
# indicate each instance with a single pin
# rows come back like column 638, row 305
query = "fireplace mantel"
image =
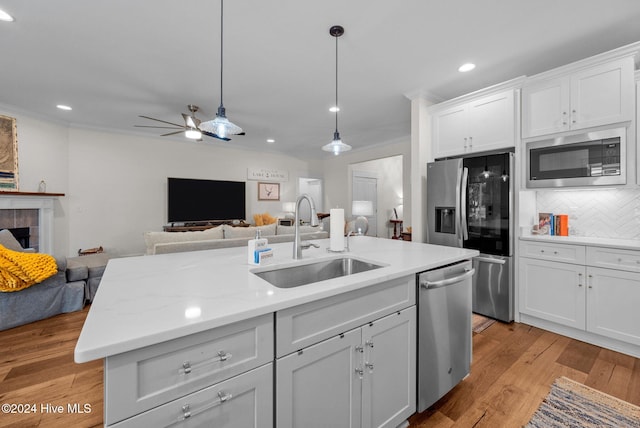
column 30, row 194
column 44, row 203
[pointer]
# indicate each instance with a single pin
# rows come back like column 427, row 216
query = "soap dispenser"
column 254, row 246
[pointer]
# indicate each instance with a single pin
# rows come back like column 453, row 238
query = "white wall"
column 115, row 184
column 118, row 184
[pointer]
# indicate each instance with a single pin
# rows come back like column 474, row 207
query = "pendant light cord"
column 337, row 108
column 221, row 47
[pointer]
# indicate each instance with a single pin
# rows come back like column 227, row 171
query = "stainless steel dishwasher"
column 444, row 330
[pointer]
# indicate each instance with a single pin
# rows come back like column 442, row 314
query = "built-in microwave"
column 591, row 159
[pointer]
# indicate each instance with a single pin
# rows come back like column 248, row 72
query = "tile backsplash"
column 606, row 213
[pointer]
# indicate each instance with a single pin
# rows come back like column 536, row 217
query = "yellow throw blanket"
column 21, row 270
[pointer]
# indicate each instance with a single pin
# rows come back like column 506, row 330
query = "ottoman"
column 92, row 266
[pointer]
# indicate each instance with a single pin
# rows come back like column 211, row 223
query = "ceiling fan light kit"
column 336, row 146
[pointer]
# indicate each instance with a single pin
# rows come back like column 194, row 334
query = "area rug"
column 572, row 404
column 481, row 323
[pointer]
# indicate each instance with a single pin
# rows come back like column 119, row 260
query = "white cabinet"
column 593, row 96
column 153, row 376
column 482, row 124
column 362, row 378
column 612, row 304
column 245, row 400
column 589, row 288
column 553, row 291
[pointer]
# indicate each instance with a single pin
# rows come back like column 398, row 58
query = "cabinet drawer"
column 304, row 325
column 552, row 251
column 614, row 258
column 139, row 380
column 242, row 401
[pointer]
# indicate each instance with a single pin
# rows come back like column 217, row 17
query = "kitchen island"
column 152, row 311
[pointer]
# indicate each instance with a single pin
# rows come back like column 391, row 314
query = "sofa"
column 224, row 236
column 55, row 295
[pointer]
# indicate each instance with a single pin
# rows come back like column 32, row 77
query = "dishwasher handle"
column 444, row 282
column 490, row 260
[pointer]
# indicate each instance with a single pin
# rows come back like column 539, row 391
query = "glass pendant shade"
column 336, row 146
column 221, row 126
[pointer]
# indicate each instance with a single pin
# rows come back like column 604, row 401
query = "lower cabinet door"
column 245, row 400
column 320, row 386
column 553, row 291
column 389, row 388
column 612, row 304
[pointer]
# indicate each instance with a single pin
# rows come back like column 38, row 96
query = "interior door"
column 365, row 188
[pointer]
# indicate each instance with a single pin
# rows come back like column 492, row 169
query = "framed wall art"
column 268, row 191
column 8, row 154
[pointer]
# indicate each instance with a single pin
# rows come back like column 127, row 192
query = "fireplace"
column 31, row 211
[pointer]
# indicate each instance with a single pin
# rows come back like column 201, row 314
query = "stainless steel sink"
column 296, row 276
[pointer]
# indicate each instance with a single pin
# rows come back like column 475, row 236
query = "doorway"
column 365, row 188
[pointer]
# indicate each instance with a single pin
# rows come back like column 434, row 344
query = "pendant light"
column 221, row 127
column 336, row 146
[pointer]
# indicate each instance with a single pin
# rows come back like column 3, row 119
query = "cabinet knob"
column 360, row 372
column 542, row 251
column 369, row 366
column 555, row 252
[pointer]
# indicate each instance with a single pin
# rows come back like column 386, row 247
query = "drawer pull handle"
column 187, row 367
column 186, row 409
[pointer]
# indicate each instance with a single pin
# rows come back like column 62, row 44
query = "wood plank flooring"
column 513, row 368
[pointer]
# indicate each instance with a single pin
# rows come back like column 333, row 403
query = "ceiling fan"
column 191, row 126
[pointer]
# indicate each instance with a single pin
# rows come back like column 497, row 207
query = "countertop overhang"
column 627, row 244
column 147, row 300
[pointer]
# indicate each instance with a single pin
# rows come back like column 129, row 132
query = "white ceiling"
column 117, row 59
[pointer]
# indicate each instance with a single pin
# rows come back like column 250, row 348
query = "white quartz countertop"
column 147, row 300
column 627, row 244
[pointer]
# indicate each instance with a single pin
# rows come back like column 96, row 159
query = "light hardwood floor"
column 513, row 367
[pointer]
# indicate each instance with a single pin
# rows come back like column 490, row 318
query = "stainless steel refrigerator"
column 470, row 205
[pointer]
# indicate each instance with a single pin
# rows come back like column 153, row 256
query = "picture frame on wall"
column 268, row 191
column 8, row 154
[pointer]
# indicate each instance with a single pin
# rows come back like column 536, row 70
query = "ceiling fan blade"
column 211, row 134
column 172, row 133
column 158, row 127
column 163, row 121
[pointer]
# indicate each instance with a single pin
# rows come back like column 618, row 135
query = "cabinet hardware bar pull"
column 186, row 409
column 579, row 280
column 187, row 367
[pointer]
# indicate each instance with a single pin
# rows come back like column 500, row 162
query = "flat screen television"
column 193, row 200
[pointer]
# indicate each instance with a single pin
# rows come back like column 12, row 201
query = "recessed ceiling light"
column 64, row 107
column 466, row 67
column 4, row 16
column 271, row 140
column 334, row 109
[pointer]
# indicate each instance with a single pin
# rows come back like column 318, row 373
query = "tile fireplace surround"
column 31, row 208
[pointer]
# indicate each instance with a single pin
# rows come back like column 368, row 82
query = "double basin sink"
column 295, row 276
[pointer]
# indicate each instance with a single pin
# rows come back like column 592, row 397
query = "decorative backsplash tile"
column 607, row 213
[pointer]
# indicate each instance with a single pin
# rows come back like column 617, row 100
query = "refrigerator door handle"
column 463, row 203
column 490, row 260
column 458, row 225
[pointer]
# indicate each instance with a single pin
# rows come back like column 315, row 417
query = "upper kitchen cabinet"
column 474, row 124
column 578, row 98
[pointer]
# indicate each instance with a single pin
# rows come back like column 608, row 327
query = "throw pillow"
column 268, row 219
column 257, row 219
column 249, row 232
column 7, row 240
